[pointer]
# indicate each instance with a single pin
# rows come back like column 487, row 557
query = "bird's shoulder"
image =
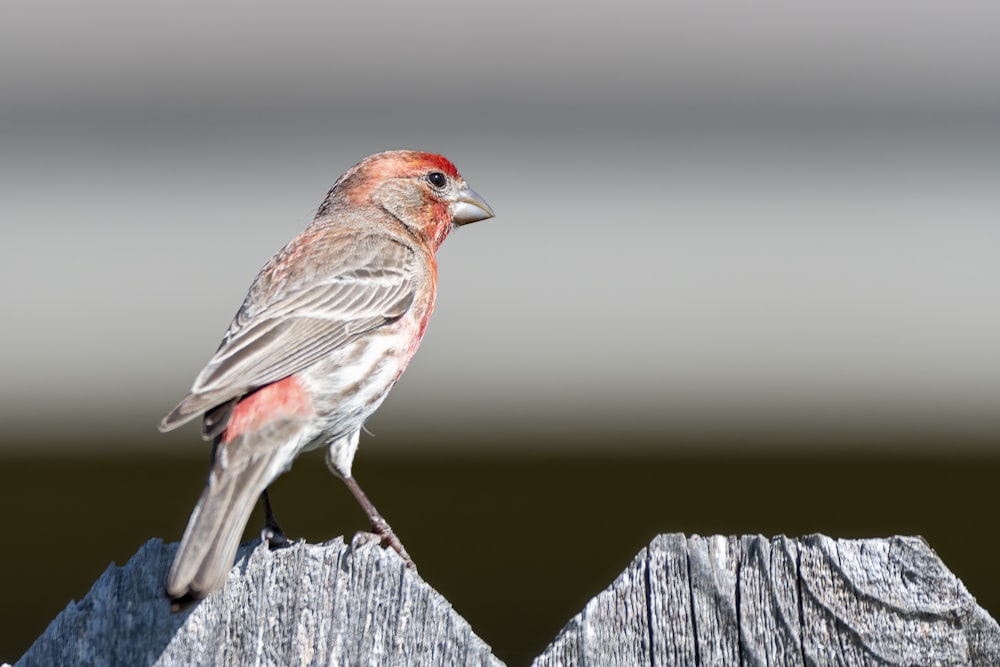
column 339, row 260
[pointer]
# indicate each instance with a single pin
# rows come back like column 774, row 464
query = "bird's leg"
column 272, row 532
column 380, row 526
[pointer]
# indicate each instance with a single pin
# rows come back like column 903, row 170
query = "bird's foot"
column 363, row 538
column 381, row 528
column 274, row 537
column 272, row 534
column 379, row 525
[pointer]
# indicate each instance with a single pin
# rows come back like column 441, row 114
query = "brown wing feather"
column 282, row 330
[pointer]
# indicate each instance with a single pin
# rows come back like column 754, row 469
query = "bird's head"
column 424, row 191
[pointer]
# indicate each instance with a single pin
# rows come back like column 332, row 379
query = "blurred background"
column 743, row 278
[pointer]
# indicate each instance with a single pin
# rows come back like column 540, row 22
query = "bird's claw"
column 382, row 529
column 271, row 534
column 377, row 536
column 363, row 538
column 274, row 537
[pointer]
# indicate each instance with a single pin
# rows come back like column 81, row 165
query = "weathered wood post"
column 682, row 601
column 328, row 604
column 757, row 601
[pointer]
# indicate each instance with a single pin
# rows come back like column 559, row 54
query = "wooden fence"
column 682, row 601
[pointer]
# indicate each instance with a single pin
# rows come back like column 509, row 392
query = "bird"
column 326, row 329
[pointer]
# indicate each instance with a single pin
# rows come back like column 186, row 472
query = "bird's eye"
column 437, row 179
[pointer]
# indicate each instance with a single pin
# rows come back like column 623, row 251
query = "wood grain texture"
column 682, row 600
column 304, row 605
column 759, row 601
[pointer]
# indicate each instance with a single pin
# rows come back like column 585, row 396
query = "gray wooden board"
column 304, row 605
column 681, row 601
column 759, row 601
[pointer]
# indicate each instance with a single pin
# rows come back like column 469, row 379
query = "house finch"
column 327, row 328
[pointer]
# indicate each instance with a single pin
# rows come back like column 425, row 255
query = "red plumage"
column 284, row 399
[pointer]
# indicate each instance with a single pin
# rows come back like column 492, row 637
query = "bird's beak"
column 470, row 207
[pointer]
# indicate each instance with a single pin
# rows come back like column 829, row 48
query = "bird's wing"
column 271, row 339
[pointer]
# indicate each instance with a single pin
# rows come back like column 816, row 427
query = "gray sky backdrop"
column 730, row 222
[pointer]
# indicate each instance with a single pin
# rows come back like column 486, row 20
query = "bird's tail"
column 241, row 470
